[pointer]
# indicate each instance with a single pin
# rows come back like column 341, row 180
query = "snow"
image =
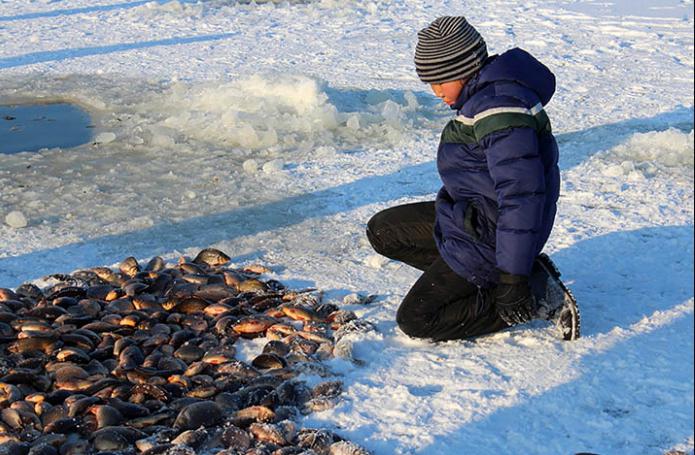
column 641, row 8
column 274, row 130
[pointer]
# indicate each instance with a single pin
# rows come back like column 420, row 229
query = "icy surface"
column 275, row 130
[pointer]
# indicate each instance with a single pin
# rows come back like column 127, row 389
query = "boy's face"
column 448, row 91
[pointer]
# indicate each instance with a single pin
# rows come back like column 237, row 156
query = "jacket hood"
column 515, row 65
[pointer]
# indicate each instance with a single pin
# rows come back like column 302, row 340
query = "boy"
column 479, row 243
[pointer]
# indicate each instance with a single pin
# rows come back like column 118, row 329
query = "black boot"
column 554, row 300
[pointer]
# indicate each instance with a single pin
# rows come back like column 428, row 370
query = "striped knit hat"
column 448, row 49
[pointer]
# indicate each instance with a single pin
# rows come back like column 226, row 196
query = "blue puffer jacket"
column 498, row 162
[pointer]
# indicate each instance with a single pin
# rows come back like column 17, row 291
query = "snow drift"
column 668, row 153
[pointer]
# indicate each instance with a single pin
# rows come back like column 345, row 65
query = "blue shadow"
column 635, row 385
column 62, row 54
column 72, row 11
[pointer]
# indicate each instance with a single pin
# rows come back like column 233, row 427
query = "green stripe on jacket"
column 456, row 132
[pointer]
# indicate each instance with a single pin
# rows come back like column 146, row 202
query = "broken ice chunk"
column 16, row 219
column 272, row 166
column 162, row 140
column 105, row 137
column 375, row 261
column 353, row 122
column 250, row 166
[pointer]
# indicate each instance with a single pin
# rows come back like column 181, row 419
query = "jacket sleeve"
column 516, row 169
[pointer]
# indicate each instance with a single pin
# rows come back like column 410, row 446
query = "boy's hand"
column 513, row 299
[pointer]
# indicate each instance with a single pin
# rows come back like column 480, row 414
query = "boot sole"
column 569, row 321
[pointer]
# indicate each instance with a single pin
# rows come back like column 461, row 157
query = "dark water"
column 30, row 127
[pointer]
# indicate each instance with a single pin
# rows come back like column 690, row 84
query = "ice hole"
column 33, row 126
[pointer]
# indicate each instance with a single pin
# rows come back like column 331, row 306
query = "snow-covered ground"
column 275, row 130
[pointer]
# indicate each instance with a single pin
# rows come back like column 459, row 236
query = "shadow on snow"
column 72, row 11
column 63, row 54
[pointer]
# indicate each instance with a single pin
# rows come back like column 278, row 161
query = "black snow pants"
column 441, row 305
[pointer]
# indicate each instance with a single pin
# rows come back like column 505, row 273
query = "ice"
column 353, row 122
column 105, row 137
column 375, row 261
column 16, row 219
column 268, row 111
column 671, row 148
column 162, row 141
column 325, row 152
column 250, row 166
column 613, row 170
column 392, row 113
column 273, row 166
column 162, row 136
column 670, row 152
column 411, row 101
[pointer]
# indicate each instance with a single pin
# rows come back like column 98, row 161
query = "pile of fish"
column 142, row 361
